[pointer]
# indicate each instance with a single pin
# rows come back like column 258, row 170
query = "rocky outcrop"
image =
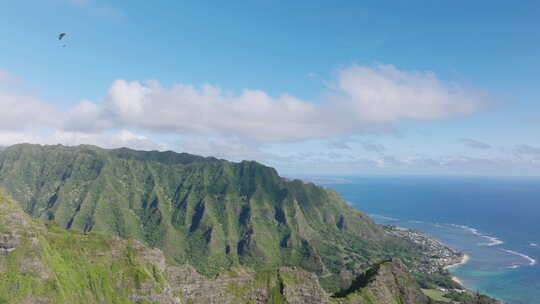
column 11, row 229
column 388, row 283
column 8, row 243
column 302, row 287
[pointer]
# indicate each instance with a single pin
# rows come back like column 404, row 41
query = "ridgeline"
column 212, row 219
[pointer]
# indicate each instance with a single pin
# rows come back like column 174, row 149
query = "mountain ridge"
column 43, row 263
column 201, row 211
column 214, row 217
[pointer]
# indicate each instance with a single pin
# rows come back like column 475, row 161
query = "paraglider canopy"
column 61, row 35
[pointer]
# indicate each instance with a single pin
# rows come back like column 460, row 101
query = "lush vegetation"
column 437, row 295
column 51, row 264
column 434, row 281
column 385, row 282
column 206, row 212
column 213, row 214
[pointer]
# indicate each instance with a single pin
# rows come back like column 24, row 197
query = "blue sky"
column 378, row 87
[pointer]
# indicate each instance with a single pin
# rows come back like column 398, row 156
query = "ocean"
column 494, row 220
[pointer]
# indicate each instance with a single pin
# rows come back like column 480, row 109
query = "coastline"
column 451, row 258
column 463, row 261
column 441, row 256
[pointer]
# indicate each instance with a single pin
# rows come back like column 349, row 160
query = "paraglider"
column 60, row 37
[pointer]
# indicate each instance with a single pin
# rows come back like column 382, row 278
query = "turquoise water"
column 495, row 221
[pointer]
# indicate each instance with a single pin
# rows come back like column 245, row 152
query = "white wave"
column 491, row 240
column 384, row 218
column 533, row 245
column 513, row 266
column 526, row 257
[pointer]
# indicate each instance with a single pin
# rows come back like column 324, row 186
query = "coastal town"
column 438, row 257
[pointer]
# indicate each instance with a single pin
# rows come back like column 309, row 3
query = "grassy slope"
column 49, row 264
column 61, row 266
column 41, row 262
column 209, row 213
column 437, row 295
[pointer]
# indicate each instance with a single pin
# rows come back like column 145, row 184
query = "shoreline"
column 463, row 261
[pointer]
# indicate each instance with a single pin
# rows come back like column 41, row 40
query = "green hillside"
column 44, row 263
column 47, row 264
column 209, row 213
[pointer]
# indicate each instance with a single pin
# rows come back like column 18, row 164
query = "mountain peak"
column 209, row 213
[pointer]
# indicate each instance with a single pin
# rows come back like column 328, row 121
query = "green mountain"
column 228, row 233
column 209, row 213
column 41, row 262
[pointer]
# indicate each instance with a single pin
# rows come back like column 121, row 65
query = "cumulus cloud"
column 117, row 139
column 362, row 100
column 447, row 164
column 374, row 147
column 232, row 149
column 339, row 143
column 88, row 117
column 475, row 144
column 384, row 94
column 527, row 151
column 19, row 111
column 236, row 125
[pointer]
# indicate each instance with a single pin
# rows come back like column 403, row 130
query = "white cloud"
column 88, row 117
column 210, row 121
column 527, row 151
column 475, row 144
column 318, row 163
column 19, row 111
column 8, row 138
column 374, row 147
column 339, row 143
column 384, row 94
column 363, row 99
column 231, row 149
column 117, row 139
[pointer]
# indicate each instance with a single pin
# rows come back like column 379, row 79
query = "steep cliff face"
column 48, row 264
column 387, row 282
column 44, row 263
column 205, row 212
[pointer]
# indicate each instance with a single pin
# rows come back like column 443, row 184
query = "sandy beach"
column 464, row 260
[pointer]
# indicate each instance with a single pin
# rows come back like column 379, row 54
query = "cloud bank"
column 238, row 125
column 361, row 100
column 475, row 144
column 19, row 111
